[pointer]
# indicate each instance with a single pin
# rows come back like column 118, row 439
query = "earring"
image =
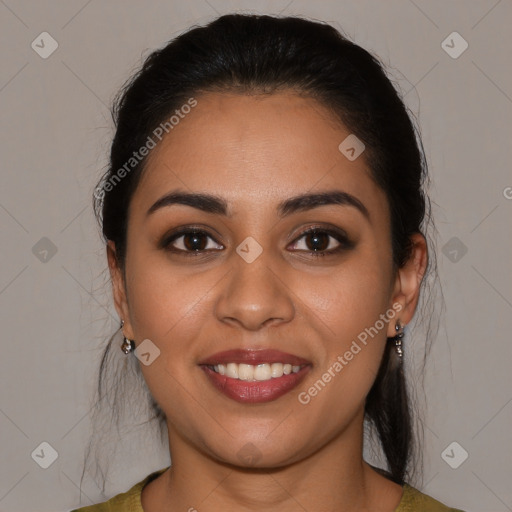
column 399, row 330
column 128, row 345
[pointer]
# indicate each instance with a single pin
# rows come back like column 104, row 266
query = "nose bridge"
column 255, row 293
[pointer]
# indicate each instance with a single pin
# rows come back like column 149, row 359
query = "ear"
column 408, row 280
column 119, row 289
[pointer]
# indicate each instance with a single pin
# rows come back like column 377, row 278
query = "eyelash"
column 339, row 236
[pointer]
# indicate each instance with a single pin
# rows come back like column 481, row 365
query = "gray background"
column 56, row 314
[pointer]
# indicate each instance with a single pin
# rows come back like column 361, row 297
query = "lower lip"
column 254, row 392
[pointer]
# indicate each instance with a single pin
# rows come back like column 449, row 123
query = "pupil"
column 196, row 241
column 317, row 239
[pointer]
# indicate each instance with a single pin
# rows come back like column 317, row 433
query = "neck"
column 334, row 477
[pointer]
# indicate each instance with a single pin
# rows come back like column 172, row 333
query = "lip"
column 246, row 356
column 252, row 392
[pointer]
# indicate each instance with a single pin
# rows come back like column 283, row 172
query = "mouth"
column 255, row 376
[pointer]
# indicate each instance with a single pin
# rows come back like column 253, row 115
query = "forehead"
column 254, row 148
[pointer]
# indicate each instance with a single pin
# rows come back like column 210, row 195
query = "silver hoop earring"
column 127, row 345
column 399, row 330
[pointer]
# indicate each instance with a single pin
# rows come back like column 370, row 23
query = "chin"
column 253, row 454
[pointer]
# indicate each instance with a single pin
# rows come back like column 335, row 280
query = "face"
column 248, row 275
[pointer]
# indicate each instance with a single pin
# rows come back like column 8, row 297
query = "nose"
column 255, row 296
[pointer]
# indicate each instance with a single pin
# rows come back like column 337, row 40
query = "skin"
column 255, row 151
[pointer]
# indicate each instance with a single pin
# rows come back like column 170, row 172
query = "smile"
column 254, row 376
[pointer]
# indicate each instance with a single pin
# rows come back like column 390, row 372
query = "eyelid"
column 314, row 227
column 340, row 235
column 185, row 230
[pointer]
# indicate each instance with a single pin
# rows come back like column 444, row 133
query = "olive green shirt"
column 412, row 500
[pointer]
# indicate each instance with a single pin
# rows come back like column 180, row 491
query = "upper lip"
column 254, row 357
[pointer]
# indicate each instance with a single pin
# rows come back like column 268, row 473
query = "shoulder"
column 128, row 501
column 415, row 501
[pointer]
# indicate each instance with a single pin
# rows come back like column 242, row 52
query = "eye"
column 189, row 242
column 315, row 241
column 323, row 242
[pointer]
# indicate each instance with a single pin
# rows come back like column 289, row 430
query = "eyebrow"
column 217, row 205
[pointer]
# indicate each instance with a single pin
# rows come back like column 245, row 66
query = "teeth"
column 260, row 372
column 231, row 370
column 276, row 369
column 245, row 372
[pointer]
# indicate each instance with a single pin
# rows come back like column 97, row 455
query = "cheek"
column 171, row 306
column 349, row 304
column 348, row 299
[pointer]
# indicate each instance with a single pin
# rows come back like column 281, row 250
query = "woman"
column 263, row 214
